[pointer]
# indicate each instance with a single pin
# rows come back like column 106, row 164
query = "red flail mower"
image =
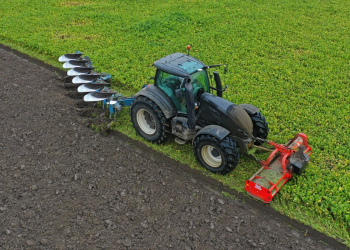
column 279, row 167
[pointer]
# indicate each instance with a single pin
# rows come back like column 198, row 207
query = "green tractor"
column 180, row 104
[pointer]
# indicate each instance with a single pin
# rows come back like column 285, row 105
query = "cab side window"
column 169, row 83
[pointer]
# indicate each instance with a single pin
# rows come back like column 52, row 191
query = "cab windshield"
column 174, row 87
column 200, row 79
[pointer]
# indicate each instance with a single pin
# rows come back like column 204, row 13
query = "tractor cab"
column 174, row 71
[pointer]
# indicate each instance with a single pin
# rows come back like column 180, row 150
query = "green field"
column 289, row 58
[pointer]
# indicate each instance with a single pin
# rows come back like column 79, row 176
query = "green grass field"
column 289, row 58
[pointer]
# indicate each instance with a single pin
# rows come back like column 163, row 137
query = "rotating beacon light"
column 188, row 49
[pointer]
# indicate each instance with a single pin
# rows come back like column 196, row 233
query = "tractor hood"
column 241, row 120
column 234, row 118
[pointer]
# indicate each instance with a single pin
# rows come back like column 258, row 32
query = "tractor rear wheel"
column 218, row 156
column 260, row 127
column 148, row 120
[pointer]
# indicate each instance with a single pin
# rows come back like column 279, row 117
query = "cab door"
column 173, row 87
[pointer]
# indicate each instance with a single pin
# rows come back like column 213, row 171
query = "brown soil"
column 64, row 186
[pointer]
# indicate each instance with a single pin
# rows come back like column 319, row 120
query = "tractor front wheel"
column 149, row 121
column 218, row 156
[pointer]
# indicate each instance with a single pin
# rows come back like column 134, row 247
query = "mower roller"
column 183, row 104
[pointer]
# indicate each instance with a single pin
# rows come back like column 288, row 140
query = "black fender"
column 220, row 133
column 159, row 98
column 214, row 130
column 249, row 108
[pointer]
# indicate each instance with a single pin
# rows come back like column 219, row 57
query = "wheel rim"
column 146, row 121
column 211, row 156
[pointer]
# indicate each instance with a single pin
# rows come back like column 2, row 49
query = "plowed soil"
column 65, row 186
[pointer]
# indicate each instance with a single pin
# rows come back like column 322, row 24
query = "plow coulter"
column 183, row 104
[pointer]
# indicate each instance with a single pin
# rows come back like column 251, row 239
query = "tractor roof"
column 179, row 64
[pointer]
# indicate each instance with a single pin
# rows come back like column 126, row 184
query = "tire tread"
column 165, row 123
column 228, row 146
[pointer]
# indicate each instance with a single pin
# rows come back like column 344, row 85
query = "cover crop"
column 289, row 58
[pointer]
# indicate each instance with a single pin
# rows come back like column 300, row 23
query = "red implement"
column 279, row 168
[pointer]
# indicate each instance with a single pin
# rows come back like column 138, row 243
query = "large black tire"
column 217, row 156
column 260, row 127
column 149, row 121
